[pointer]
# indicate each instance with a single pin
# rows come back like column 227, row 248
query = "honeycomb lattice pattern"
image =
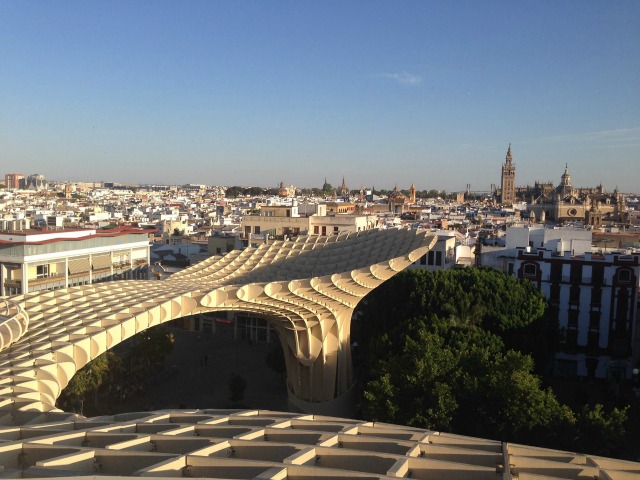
column 306, row 288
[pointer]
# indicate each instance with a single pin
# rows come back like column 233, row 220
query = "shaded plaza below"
column 197, row 372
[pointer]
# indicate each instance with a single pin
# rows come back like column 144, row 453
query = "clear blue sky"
column 382, row 93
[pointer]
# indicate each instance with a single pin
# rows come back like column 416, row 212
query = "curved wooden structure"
column 307, row 289
column 265, row 445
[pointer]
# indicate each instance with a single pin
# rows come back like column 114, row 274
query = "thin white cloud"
column 606, row 135
column 404, row 78
column 618, row 136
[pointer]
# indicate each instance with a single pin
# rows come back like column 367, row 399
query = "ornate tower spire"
column 508, row 184
column 343, row 188
column 566, row 177
column 565, row 187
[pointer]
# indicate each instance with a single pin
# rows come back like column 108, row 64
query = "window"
column 423, row 259
column 530, row 269
column 554, row 295
column 576, row 273
column 431, row 258
column 592, row 366
column 324, row 230
column 451, row 255
column 596, row 296
column 571, row 338
column 573, row 318
column 42, row 271
column 335, row 230
column 288, row 213
column 574, row 294
column 597, row 275
column 624, row 276
column 594, row 321
column 439, row 258
column 622, row 311
column 256, row 229
column 247, row 230
column 316, row 230
column 556, row 272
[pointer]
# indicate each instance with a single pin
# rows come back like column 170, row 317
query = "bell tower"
column 508, row 185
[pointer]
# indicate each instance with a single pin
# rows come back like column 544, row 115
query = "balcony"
column 262, row 236
column 568, row 279
column 53, row 278
column 13, row 284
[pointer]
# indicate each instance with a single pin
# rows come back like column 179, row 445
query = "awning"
column 79, row 265
column 101, row 261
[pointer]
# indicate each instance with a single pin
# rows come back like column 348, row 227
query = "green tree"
column 601, row 433
column 233, row 192
column 499, row 303
column 151, row 346
column 444, row 355
column 411, row 388
column 88, row 380
column 459, row 378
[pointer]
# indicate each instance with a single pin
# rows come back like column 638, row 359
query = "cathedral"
column 566, row 203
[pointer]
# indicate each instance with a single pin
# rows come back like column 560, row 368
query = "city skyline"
column 383, row 94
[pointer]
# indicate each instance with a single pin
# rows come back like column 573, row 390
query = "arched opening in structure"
column 196, row 372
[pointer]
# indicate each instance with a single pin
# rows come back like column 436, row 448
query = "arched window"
column 624, row 276
column 530, row 270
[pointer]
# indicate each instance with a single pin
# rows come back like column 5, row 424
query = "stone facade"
column 566, row 203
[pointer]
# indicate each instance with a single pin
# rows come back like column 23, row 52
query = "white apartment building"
column 592, row 294
column 34, row 260
column 595, row 300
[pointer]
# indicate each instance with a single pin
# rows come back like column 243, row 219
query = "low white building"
column 441, row 257
column 34, row 260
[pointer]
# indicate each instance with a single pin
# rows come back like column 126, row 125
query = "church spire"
column 343, row 188
column 566, row 178
column 509, row 158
